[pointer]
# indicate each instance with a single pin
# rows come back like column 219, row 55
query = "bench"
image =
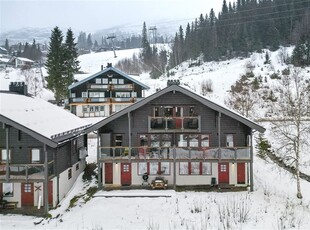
column 10, row 205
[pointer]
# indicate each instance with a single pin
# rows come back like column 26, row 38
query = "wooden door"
column 125, row 173
column 27, row 194
column 108, row 173
column 50, row 192
column 241, row 173
column 223, row 173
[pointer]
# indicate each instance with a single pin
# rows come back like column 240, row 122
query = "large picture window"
column 195, row 168
column 164, row 168
column 153, row 168
column 142, row 168
column 206, row 168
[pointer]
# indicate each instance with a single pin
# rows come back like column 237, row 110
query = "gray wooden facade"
column 220, row 135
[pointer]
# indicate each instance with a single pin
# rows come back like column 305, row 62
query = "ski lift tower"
column 154, row 33
column 112, row 37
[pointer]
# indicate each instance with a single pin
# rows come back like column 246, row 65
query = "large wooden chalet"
column 179, row 135
column 104, row 93
column 42, row 150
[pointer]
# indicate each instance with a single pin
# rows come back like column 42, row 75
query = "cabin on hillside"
column 178, row 135
column 104, row 93
column 21, row 62
column 42, row 150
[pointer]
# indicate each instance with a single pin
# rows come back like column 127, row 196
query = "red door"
column 125, row 173
column 241, row 173
column 108, row 173
column 223, row 173
column 27, row 196
column 50, row 192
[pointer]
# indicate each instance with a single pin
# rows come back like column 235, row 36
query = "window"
column 105, row 81
column 133, row 94
column 27, row 188
column 192, row 111
column 195, row 168
column 223, row 168
column 35, row 155
column 143, row 140
column 84, row 94
column 168, row 111
column 153, row 168
column 96, row 94
column 85, row 108
column 193, row 140
column 69, row 174
column 120, row 81
column 4, row 155
column 229, row 140
column 205, row 141
column 184, row 168
column 122, row 94
column 118, row 138
column 73, row 95
column 155, row 139
column 142, row 168
column 206, row 168
column 7, row 189
column 77, row 166
column 114, row 81
column 166, row 140
column 98, row 80
column 164, row 168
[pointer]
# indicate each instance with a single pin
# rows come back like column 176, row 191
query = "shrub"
column 89, row 171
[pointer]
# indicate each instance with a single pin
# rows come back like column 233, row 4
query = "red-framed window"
column 154, row 168
column 195, row 168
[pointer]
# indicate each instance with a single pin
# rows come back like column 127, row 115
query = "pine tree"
column 146, row 48
column 55, row 66
column 89, row 42
column 71, row 54
column 7, row 46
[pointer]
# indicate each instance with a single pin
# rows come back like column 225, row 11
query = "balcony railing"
column 204, row 153
column 26, row 171
column 128, row 87
column 175, row 124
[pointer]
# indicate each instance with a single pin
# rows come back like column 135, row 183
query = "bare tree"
column 291, row 126
column 33, row 81
column 242, row 97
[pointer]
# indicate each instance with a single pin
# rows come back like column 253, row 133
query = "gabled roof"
column 21, row 58
column 105, row 71
column 184, row 91
column 40, row 119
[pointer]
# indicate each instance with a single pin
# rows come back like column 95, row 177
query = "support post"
column 219, row 134
column 99, row 163
column 7, row 172
column 129, row 136
column 46, row 208
column 174, row 169
column 251, row 165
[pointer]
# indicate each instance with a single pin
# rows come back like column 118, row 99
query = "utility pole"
column 153, row 29
column 112, row 37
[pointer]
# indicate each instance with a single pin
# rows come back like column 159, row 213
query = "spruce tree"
column 146, row 48
column 70, row 54
column 7, row 46
column 55, row 66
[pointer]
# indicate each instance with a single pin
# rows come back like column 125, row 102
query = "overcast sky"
column 93, row 15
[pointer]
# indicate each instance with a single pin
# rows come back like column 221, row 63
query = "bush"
column 275, row 76
column 206, row 87
column 89, row 171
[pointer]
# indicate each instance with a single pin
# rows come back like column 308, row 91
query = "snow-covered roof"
column 180, row 89
column 24, row 59
column 40, row 119
column 105, row 71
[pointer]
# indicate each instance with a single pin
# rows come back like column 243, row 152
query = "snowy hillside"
column 273, row 204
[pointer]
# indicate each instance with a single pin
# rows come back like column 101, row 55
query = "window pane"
column 166, row 140
column 165, row 168
column 4, row 155
column 7, row 189
column 84, row 94
column 155, row 140
column 206, row 168
column 35, row 155
column 229, row 140
column 182, row 140
column 195, row 168
column 120, row 81
column 98, row 80
column 193, row 140
column 105, row 81
column 183, row 168
column 153, row 168
column 205, row 141
column 142, row 168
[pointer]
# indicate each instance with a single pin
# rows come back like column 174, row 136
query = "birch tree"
column 291, row 126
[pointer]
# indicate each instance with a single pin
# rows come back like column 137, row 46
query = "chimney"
column 18, row 87
column 173, row 82
column 109, row 65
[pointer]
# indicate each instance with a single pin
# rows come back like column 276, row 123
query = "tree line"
column 30, row 51
column 242, row 27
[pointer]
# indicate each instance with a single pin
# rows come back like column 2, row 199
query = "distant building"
column 20, row 62
column 104, row 93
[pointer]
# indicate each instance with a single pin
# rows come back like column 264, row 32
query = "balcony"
column 26, row 171
column 153, row 153
column 125, row 87
column 174, row 124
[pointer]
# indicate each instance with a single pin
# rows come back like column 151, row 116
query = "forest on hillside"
column 242, row 27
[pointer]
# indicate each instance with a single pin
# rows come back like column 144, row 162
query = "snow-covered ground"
column 273, row 204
